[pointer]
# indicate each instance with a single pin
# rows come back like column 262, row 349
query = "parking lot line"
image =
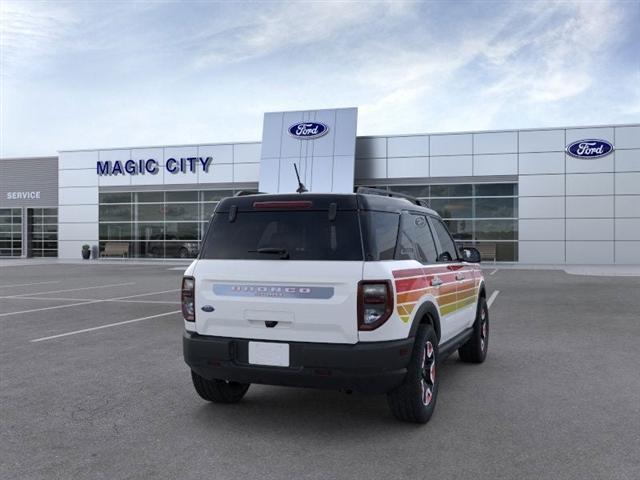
column 28, row 284
column 494, row 271
column 492, row 297
column 68, row 299
column 84, row 330
column 71, row 289
column 88, row 302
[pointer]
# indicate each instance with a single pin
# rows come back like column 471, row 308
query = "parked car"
column 359, row 292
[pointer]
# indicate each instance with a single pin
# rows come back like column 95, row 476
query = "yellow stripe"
column 452, row 307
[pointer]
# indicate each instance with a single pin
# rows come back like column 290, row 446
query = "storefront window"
column 481, row 213
column 157, row 224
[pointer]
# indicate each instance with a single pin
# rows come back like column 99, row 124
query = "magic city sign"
column 589, row 148
column 152, row 167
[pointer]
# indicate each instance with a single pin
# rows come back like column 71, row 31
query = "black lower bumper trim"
column 374, row 367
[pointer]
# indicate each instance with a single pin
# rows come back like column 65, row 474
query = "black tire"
column 475, row 349
column 415, row 400
column 183, row 253
column 219, row 391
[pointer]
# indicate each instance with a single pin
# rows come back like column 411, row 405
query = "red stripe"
column 411, row 272
column 405, row 284
column 415, row 272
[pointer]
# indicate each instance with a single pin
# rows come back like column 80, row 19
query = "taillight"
column 188, row 299
column 375, row 303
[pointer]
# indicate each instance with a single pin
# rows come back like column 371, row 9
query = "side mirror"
column 471, row 255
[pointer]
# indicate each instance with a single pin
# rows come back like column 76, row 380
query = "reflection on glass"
column 208, row 209
column 150, row 213
column 496, row 229
column 460, row 229
column 464, row 190
column 453, row 207
column 187, row 196
column 150, row 197
column 181, row 211
column 496, row 207
column 418, row 191
column 115, row 197
column 496, row 189
column 215, row 195
column 116, row 213
column 181, row 231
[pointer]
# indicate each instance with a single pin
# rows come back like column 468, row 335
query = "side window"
column 415, row 241
column 448, row 251
column 380, row 234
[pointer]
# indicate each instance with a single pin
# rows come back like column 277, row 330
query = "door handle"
column 436, row 282
column 459, row 276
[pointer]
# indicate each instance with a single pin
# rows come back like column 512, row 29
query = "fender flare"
column 482, row 292
column 427, row 308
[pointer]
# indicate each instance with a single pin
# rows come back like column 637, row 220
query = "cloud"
column 30, row 30
column 300, row 28
column 532, row 57
column 79, row 74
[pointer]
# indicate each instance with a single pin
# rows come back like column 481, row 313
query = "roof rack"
column 388, row 193
column 242, row 193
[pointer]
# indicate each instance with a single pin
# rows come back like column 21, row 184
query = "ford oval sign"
column 308, row 130
column 590, row 148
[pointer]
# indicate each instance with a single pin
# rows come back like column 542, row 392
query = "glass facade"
column 43, row 232
column 10, row 232
column 157, row 224
column 476, row 214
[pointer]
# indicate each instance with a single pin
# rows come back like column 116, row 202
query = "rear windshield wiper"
column 284, row 254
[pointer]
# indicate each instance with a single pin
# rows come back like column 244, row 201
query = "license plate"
column 267, row 353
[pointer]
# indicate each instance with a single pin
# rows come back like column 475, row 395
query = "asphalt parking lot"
column 558, row 397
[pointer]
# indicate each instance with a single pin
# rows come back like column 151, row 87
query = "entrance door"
column 10, row 232
column 42, row 232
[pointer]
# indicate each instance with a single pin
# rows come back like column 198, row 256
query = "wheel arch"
column 427, row 314
column 482, row 292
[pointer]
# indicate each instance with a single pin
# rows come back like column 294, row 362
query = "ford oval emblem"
column 308, row 130
column 590, row 148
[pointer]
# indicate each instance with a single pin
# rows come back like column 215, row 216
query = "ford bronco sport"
column 358, row 292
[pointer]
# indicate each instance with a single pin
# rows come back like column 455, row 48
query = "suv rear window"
column 274, row 235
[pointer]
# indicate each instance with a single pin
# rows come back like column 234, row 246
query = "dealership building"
column 545, row 196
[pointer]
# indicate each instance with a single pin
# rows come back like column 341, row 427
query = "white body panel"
column 241, row 314
column 241, row 311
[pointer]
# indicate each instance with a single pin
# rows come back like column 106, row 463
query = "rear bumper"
column 375, row 367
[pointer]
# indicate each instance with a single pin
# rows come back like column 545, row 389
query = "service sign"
column 23, row 195
column 308, row 130
column 589, row 149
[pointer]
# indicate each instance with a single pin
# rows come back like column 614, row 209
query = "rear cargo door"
column 280, row 274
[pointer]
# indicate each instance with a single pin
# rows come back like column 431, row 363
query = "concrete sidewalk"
column 590, row 270
column 19, row 262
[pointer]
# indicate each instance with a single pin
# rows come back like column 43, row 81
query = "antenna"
column 301, row 188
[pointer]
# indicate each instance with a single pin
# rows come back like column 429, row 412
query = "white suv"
column 359, row 292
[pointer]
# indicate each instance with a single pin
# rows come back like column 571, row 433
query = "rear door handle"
column 436, row 282
column 459, row 276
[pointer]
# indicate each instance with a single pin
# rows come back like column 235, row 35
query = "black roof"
column 321, row 201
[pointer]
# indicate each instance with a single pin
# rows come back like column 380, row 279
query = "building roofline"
column 39, row 157
column 213, row 144
column 461, row 132
column 467, row 132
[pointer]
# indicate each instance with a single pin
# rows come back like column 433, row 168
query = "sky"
column 97, row 74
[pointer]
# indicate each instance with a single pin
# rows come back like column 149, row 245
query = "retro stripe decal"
column 413, row 283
